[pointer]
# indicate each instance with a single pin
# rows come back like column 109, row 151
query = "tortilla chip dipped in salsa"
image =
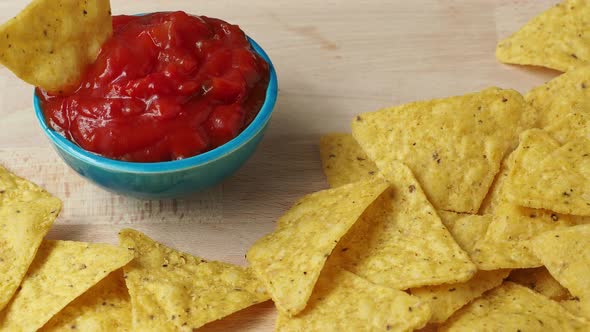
column 27, row 212
column 51, row 42
column 172, row 291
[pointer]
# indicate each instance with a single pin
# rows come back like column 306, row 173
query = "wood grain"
column 334, row 59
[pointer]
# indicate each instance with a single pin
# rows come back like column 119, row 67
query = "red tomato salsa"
column 165, row 86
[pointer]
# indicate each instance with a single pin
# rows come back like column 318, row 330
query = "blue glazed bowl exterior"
column 169, row 179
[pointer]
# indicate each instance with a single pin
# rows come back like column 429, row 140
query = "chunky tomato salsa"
column 165, row 86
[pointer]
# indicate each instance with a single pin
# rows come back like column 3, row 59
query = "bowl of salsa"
column 173, row 104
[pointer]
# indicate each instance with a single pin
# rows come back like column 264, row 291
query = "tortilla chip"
column 26, row 214
column 539, row 280
column 61, row 271
column 570, row 127
column 344, row 161
column 558, row 38
column 342, row 301
column 289, row 260
column 565, row 94
column 578, row 307
column 172, row 291
column 506, row 244
column 469, row 230
column 546, row 176
column 444, row 300
column 495, row 195
column 565, row 254
column 104, row 307
column 512, row 307
column 50, row 43
column 400, row 242
column 454, row 145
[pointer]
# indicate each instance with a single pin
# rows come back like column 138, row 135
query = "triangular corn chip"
column 565, row 94
column 400, row 242
column 541, row 281
column 342, row 301
column 104, row 307
column 26, row 214
column 344, row 161
column 50, row 43
column 444, row 300
column 454, row 145
column 506, row 244
column 61, row 271
column 512, row 307
column 558, row 38
column 468, row 230
column 548, row 176
column 565, row 254
column 290, row 259
column 172, row 291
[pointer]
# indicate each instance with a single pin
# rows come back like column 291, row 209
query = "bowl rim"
column 249, row 133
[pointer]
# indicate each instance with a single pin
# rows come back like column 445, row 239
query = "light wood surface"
column 334, row 59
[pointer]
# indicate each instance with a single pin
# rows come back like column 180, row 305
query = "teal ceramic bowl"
column 169, row 179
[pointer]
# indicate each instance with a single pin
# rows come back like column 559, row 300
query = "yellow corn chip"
column 558, row 38
column 512, row 307
column 539, row 280
column 454, row 145
column 506, row 243
column 468, row 230
column 570, row 127
column 61, row 271
column 496, row 194
column 26, row 214
column 565, row 254
column 565, row 94
column 342, row 301
column 344, row 161
column 400, row 242
column 290, row 259
column 577, row 307
column 444, row 300
column 104, row 307
column 545, row 176
column 50, row 43
column 172, row 291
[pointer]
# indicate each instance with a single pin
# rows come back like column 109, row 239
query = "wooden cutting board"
column 334, row 59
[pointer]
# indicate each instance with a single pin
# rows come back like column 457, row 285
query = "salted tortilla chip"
column 548, row 176
column 454, row 145
column 570, row 127
column 61, row 271
column 400, row 242
column 565, row 254
column 468, row 230
column 172, row 291
column 506, row 244
column 289, row 260
column 342, row 301
column 495, row 195
column 558, row 38
column 512, row 307
column 577, row 307
column 344, row 161
column 50, row 43
column 565, row 94
column 104, row 307
column 26, row 214
column 444, row 300
column 539, row 280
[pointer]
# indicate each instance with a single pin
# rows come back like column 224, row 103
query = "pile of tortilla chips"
column 465, row 213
